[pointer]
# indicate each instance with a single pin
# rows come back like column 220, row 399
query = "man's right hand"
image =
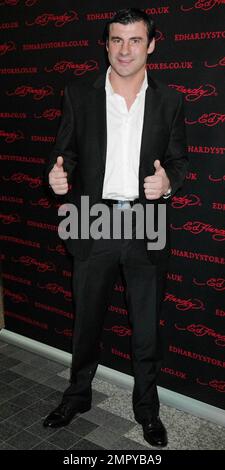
column 58, row 178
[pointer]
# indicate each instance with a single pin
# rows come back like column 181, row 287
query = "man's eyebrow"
column 133, row 37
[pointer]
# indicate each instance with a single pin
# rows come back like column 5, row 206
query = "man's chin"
column 124, row 72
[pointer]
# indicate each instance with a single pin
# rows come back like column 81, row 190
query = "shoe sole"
column 80, row 411
column 84, row 410
column 154, row 444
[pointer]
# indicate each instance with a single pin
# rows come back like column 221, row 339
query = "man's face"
column 128, row 48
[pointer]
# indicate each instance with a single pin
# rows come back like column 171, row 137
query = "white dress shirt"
column 124, row 132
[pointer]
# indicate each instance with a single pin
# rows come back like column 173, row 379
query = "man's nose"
column 125, row 48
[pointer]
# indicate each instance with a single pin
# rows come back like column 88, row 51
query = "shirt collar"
column 109, row 88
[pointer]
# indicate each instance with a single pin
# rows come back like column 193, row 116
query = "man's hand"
column 58, row 178
column 158, row 184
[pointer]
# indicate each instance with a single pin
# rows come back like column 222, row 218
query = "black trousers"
column 93, row 283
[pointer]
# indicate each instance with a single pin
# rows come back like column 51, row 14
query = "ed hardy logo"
column 178, row 202
column 7, row 47
column 216, row 180
column 11, row 3
column 195, row 94
column 10, row 218
column 49, row 114
column 220, row 63
column 58, row 20
column 30, row 3
column 65, row 332
column 41, row 266
column 58, row 249
column 216, row 283
column 159, row 36
column 36, row 93
column 210, row 120
column 204, row 5
column 55, row 288
column 197, row 227
column 120, row 330
column 184, row 304
column 10, row 137
column 203, row 330
column 43, row 202
column 33, row 182
column 77, row 68
column 218, row 385
column 16, row 297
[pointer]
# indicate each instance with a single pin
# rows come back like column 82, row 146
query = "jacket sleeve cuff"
column 167, row 194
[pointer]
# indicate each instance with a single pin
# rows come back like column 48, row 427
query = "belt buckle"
column 123, row 205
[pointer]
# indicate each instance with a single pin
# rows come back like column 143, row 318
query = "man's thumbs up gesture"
column 158, row 184
column 58, row 178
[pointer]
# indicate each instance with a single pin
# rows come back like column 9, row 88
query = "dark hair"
column 128, row 16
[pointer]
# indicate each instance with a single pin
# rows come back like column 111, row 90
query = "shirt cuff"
column 167, row 194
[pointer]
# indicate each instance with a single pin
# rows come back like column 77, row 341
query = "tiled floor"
column 31, row 386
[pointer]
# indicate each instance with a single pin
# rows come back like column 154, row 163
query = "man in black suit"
column 121, row 140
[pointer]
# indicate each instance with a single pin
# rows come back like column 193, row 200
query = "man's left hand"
column 158, row 184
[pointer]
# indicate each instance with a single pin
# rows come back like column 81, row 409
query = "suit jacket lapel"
column 100, row 116
column 149, row 117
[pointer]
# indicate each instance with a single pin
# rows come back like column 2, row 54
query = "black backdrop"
column 43, row 44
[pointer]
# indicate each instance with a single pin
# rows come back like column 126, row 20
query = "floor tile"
column 40, row 391
column 127, row 444
column 85, row 444
column 23, row 384
column 33, row 373
column 7, row 392
column 57, row 383
column 81, row 427
column 103, row 437
column 6, row 446
column 45, row 445
column 9, row 362
column 42, row 407
column 63, row 439
column 24, row 418
column 23, row 400
column 7, row 429
column 8, row 376
column 39, row 430
column 24, row 440
column 97, row 415
column 8, row 409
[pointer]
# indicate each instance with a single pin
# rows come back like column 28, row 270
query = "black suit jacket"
column 82, row 141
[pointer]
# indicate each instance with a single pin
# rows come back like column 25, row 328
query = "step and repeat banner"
column 43, row 45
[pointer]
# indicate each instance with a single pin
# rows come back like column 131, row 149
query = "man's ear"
column 107, row 45
column 151, row 46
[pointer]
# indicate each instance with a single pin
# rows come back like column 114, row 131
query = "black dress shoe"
column 63, row 414
column 155, row 433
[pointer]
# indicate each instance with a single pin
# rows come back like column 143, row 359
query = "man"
column 121, row 140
